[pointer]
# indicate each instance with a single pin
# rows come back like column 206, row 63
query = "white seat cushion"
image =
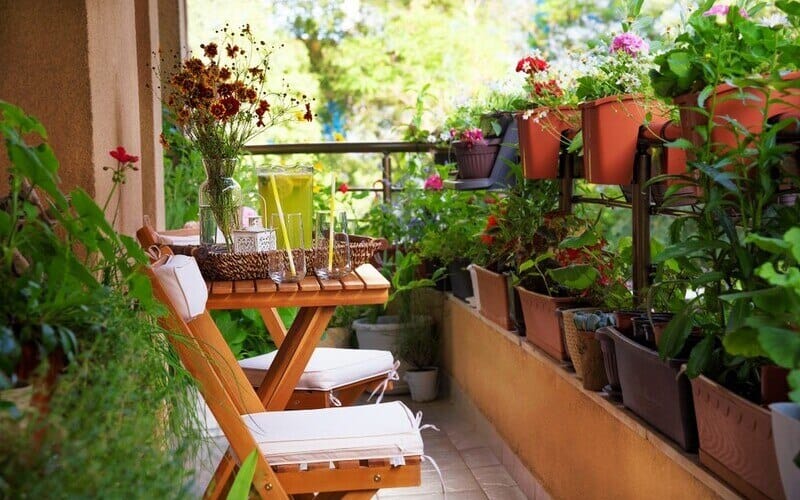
column 386, row 430
column 328, row 368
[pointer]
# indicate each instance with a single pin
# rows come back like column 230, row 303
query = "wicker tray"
column 223, row 266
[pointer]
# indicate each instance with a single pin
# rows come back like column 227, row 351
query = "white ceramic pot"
column 424, row 384
column 786, row 434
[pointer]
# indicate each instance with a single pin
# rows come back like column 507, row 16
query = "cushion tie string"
column 390, row 377
column 419, row 426
column 334, row 400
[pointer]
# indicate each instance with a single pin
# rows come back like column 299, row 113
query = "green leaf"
column 587, row 239
column 675, row 334
column 793, row 236
column 577, row 277
column 688, row 248
column 790, row 7
column 743, row 342
column 240, row 490
column 679, row 63
column 781, row 345
column 772, row 245
column 794, row 383
column 700, row 357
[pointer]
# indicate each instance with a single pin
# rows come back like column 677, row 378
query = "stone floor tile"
column 468, row 439
column 493, row 475
column 430, row 486
column 479, row 457
column 445, row 460
column 460, row 480
column 505, row 493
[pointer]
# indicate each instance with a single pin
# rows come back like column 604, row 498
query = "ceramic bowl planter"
column 542, row 325
column 736, row 440
column 493, row 293
column 786, row 432
column 610, row 131
column 655, row 390
column 476, row 162
column 423, row 384
column 745, row 105
column 540, row 139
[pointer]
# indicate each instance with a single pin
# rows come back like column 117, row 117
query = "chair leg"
column 221, row 481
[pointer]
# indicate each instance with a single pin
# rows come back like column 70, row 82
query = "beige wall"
column 575, row 442
column 81, row 67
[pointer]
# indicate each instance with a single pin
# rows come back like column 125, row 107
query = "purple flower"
column 630, row 43
column 434, row 183
column 721, row 9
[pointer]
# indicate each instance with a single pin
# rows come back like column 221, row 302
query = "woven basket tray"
column 223, row 266
column 585, row 352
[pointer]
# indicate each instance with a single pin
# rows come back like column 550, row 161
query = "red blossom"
column 531, row 65
column 122, row 156
column 487, row 239
column 209, row 50
column 308, row 116
column 491, row 222
column 343, row 188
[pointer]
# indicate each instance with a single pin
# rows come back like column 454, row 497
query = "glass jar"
column 295, row 189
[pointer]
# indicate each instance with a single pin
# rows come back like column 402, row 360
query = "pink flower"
column 721, row 9
column 472, row 137
column 630, row 43
column 434, row 183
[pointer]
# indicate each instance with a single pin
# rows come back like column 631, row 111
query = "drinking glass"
column 283, row 269
column 331, row 248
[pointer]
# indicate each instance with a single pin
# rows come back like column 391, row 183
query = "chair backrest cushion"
column 184, row 285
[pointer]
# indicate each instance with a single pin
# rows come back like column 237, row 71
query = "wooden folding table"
column 317, row 300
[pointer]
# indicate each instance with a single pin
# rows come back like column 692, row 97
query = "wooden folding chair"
column 336, row 452
column 329, row 379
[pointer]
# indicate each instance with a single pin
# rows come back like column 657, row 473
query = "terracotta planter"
column 493, row 292
column 736, row 440
column 476, row 162
column 584, row 351
column 542, row 325
column 774, row 385
column 610, row 131
column 655, row 390
column 746, row 106
column 540, row 140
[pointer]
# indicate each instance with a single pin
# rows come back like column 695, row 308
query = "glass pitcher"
column 295, row 189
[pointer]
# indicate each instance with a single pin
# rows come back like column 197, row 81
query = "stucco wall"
column 575, row 442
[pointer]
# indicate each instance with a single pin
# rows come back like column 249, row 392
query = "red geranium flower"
column 491, row 222
column 531, row 65
column 343, row 188
column 487, row 239
column 122, row 156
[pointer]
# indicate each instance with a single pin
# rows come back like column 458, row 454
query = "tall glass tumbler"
column 331, row 246
column 288, row 265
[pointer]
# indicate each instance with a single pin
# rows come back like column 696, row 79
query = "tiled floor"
column 470, row 469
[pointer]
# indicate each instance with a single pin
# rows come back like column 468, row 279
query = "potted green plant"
column 551, row 109
column 510, row 236
column 711, row 71
column 382, row 331
column 418, row 345
column 616, row 102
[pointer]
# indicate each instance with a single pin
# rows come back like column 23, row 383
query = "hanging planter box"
column 745, row 105
column 610, row 131
column 476, row 162
column 493, row 293
column 542, row 325
column 736, row 440
column 540, row 139
column 655, row 390
column 460, row 281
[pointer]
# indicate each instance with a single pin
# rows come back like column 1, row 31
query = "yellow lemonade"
column 296, row 194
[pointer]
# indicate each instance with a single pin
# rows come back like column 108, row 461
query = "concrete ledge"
column 575, row 443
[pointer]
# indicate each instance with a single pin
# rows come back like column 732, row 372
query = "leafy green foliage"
column 240, row 490
column 122, row 419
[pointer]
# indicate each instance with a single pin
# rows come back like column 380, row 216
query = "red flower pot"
column 540, row 140
column 745, row 105
column 476, row 162
column 610, row 130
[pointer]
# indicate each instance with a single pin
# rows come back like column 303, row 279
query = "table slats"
column 266, row 286
column 288, row 287
column 330, row 284
column 352, row 282
column 222, row 287
column 372, row 278
column 244, row 286
column 310, row 284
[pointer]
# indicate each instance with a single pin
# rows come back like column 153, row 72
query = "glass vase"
column 220, row 200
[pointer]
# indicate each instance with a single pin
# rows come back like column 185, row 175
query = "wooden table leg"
column 274, row 324
column 292, row 358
